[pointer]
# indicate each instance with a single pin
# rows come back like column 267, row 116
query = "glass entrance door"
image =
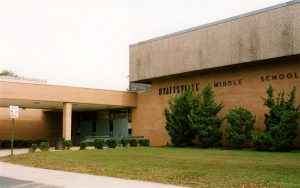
column 120, row 127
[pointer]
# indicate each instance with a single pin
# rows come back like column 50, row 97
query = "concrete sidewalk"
column 69, row 179
column 6, row 152
column 17, row 151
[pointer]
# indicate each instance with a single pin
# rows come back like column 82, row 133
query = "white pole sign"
column 14, row 112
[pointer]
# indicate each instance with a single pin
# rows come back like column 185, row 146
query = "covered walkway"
column 63, row 99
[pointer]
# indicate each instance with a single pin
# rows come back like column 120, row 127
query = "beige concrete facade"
column 240, row 56
column 247, row 87
column 261, row 35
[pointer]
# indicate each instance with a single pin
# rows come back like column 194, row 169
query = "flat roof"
column 217, row 22
column 42, row 96
column 22, row 80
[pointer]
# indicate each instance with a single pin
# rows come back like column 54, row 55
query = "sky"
column 85, row 43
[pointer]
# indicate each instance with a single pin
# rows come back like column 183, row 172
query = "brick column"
column 67, row 121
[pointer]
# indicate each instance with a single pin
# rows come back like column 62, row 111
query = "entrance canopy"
column 67, row 99
column 42, row 96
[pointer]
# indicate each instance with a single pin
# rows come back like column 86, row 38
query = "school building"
column 240, row 56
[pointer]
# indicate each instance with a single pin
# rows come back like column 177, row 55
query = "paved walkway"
column 6, row 152
column 22, row 176
column 17, row 151
column 15, row 183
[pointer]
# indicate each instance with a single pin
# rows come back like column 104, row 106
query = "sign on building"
column 14, row 112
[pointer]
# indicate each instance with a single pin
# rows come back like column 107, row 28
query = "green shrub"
column 99, row 143
column 39, row 141
column 68, row 144
column 239, row 129
column 125, row 141
column 28, row 143
column 111, row 142
column 6, row 144
column 83, row 145
column 133, row 142
column 205, row 120
column 33, row 147
column 281, row 122
column 177, row 122
column 144, row 142
column 44, row 146
column 19, row 144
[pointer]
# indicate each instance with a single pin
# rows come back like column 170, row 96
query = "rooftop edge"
column 288, row 3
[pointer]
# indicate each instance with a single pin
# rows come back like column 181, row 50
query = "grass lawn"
column 182, row 166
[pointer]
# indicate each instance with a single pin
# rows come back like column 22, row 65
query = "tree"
column 8, row 73
column 205, row 121
column 177, row 122
column 239, row 128
column 281, row 122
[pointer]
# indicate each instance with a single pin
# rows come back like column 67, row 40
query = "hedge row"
column 99, row 143
column 134, row 142
column 5, row 144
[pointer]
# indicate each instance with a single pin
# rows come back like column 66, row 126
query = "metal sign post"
column 14, row 114
column 12, row 137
